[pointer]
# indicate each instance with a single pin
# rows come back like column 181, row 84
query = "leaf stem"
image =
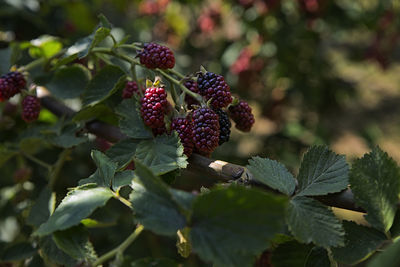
column 180, row 75
column 37, row 161
column 55, row 171
column 121, row 248
column 33, row 64
column 123, row 200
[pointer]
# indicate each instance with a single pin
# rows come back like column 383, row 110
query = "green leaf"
column 42, row 208
column 310, row 221
column 184, row 198
column 69, row 82
column 75, row 242
column 92, row 40
column 99, row 111
column 375, row 182
column 77, row 205
column 131, row 122
column 318, row 257
column 106, row 82
column 18, row 252
column 44, row 46
column 105, row 166
column 153, row 204
column 272, row 174
column 5, row 60
column 292, row 253
column 104, row 21
column 322, row 172
column 390, row 257
column 51, row 252
column 122, row 179
column 6, row 154
column 231, row 226
column 162, row 154
column 183, row 243
column 68, row 137
column 154, row 262
column 360, row 243
column 122, row 152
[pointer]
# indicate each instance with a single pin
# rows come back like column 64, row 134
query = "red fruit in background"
column 213, row 86
column 102, row 144
column 184, row 128
column 11, row 84
column 130, row 89
column 242, row 116
column 153, row 107
column 192, row 86
column 205, row 130
column 156, row 56
column 30, row 108
column 242, row 63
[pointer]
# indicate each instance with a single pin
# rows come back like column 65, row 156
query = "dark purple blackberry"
column 184, row 128
column 205, row 130
column 242, row 116
column 156, row 56
column 224, row 126
column 130, row 89
column 192, row 86
column 213, row 86
column 154, row 104
column 30, row 108
column 11, row 84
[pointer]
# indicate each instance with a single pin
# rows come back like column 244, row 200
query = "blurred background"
column 314, row 71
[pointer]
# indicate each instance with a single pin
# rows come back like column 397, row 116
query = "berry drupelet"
column 192, row 86
column 224, row 126
column 205, row 130
column 11, row 84
column 242, row 116
column 156, row 56
column 184, row 128
column 130, row 89
column 213, row 86
column 153, row 107
column 30, row 108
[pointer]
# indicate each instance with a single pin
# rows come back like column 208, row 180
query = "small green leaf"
column 318, row 257
column 375, row 182
column 310, row 221
column 69, row 82
column 6, row 154
column 153, row 204
column 272, row 174
column 122, row 152
column 105, row 166
column 5, row 58
column 68, row 137
column 18, row 252
column 42, row 209
column 75, row 242
column 360, row 243
column 77, row 205
column 51, row 252
column 322, row 172
column 390, row 257
column 99, row 111
column 106, row 82
column 231, row 226
column 122, row 179
column 292, row 253
column 104, row 21
column 162, row 154
column 88, row 43
column 131, row 122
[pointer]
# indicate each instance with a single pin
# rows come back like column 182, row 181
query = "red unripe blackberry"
column 242, row 116
column 213, row 86
column 11, row 84
column 205, row 130
column 130, row 89
column 224, row 126
column 192, row 86
column 30, row 108
column 156, row 56
column 154, row 104
column 184, row 128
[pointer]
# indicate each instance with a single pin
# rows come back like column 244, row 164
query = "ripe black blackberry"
column 242, row 116
column 184, row 128
column 130, row 89
column 213, row 86
column 156, row 56
column 11, row 84
column 154, row 104
column 205, row 130
column 192, row 86
column 224, row 126
column 30, row 108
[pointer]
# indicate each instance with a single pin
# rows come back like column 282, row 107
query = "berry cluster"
column 242, row 116
column 130, row 89
column 184, row 127
column 30, row 108
column 11, row 84
column 153, row 107
column 213, row 86
column 206, row 130
column 156, row 56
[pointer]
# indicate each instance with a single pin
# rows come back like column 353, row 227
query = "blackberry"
column 154, row 104
column 30, row 108
column 184, row 128
column 11, row 84
column 242, row 116
column 192, row 86
column 213, row 86
column 205, row 130
column 224, row 126
column 130, row 89
column 156, row 56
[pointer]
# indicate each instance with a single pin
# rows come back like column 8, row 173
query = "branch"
column 217, row 169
